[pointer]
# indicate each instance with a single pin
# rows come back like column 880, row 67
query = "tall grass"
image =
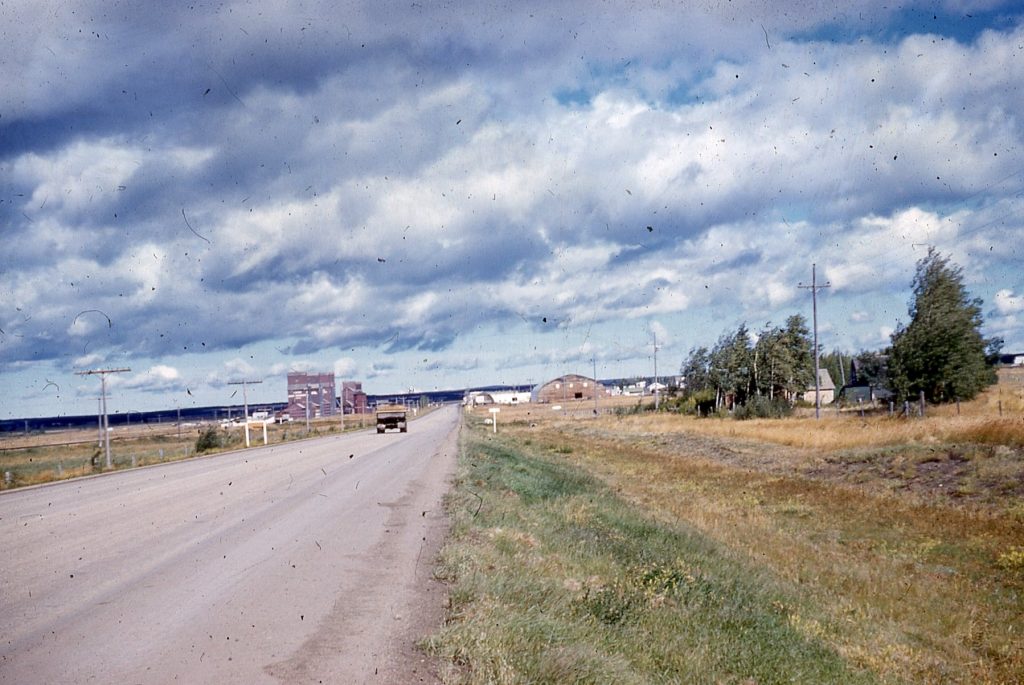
column 832, row 433
column 912, row 588
column 557, row 579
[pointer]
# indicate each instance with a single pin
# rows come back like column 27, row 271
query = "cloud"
column 157, row 379
column 346, row 367
column 389, row 183
column 1006, row 302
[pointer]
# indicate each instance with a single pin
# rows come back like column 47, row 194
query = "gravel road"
column 299, row 563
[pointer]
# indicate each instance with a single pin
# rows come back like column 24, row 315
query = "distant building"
column 570, row 387
column 474, row 398
column 312, row 390
column 510, row 397
column 353, row 399
column 825, row 386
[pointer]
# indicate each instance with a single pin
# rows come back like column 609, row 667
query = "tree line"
column 941, row 353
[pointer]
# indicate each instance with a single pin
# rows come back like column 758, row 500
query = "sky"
column 425, row 195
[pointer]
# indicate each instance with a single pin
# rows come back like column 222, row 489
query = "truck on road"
column 391, row 416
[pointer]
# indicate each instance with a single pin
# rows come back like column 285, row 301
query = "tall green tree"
column 696, row 370
column 941, row 351
column 731, row 366
column 800, row 355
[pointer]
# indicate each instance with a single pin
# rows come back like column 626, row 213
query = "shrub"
column 760, row 407
column 210, row 438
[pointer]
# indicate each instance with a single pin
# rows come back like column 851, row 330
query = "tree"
column 696, row 370
column 837, row 363
column 941, row 351
column 873, row 369
column 730, row 367
column 799, row 355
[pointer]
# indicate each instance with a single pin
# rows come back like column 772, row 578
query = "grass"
column 43, row 457
column 556, row 578
column 659, row 548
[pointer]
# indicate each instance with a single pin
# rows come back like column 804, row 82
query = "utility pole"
column 245, row 394
column 655, row 370
column 594, row 359
column 320, row 400
column 102, row 373
column 814, row 288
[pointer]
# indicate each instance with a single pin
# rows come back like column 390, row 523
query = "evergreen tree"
column 941, row 351
column 873, row 368
column 730, row 366
column 799, row 355
column 837, row 363
column 769, row 363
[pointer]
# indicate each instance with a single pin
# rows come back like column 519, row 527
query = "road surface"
column 298, row 563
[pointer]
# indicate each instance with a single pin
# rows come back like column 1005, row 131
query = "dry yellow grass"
column 844, row 432
column 912, row 589
column 905, row 536
column 994, row 417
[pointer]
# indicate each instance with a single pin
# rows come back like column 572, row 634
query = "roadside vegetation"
column 666, row 548
column 43, row 457
column 939, row 357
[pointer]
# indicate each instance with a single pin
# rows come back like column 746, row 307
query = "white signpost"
column 264, row 431
column 494, row 422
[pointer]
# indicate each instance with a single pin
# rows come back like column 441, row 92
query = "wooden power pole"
column 814, row 288
column 102, row 373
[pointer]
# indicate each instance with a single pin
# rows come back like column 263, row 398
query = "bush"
column 701, row 403
column 210, row 438
column 760, row 407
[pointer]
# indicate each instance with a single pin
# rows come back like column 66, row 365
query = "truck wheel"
column 379, row 431
column 405, row 430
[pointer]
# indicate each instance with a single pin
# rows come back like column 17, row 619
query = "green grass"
column 556, row 579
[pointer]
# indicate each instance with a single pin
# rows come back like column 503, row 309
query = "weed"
column 1012, row 560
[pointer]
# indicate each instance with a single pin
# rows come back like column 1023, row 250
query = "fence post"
column 922, row 404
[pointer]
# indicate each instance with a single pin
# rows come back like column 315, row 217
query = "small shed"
column 825, row 386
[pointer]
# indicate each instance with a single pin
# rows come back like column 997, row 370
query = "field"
column 662, row 548
column 30, row 459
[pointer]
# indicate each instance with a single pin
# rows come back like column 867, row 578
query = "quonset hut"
column 570, row 387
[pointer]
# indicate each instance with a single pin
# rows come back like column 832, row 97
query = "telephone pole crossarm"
column 245, row 395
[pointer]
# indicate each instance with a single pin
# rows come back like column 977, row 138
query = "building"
column 353, row 399
column 825, row 386
column 312, row 390
column 570, row 387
